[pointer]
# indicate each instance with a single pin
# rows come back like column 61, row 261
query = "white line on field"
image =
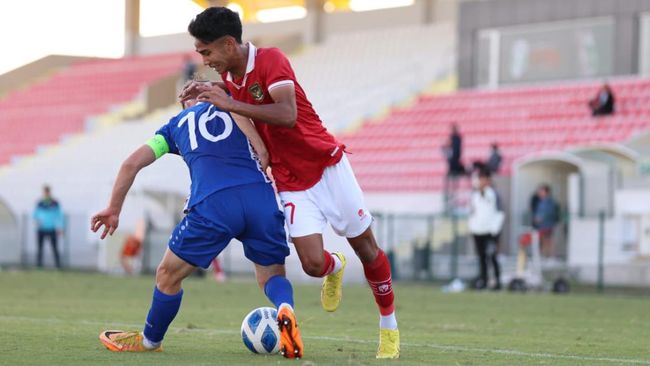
column 353, row 340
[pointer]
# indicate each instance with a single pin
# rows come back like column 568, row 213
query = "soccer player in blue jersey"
column 231, row 197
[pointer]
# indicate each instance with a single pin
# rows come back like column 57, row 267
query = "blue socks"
column 278, row 289
column 162, row 312
column 165, row 307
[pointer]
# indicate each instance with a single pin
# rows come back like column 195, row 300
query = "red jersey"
column 299, row 155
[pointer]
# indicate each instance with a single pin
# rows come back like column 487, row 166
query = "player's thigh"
column 264, row 238
column 207, row 229
column 342, row 201
column 302, row 213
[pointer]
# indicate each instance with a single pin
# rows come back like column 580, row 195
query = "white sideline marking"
column 352, row 340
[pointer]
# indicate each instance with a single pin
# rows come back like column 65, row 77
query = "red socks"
column 329, row 264
column 379, row 278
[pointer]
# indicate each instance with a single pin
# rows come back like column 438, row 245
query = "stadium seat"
column 59, row 105
column 402, row 152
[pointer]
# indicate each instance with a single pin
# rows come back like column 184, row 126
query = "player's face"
column 216, row 55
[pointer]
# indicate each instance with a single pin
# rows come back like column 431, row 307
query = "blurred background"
column 551, row 95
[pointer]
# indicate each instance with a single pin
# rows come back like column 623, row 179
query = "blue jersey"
column 217, row 152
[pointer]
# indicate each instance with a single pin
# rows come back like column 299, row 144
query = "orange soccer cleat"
column 291, row 345
column 121, row 341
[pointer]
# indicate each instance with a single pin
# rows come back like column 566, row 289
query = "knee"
column 313, row 268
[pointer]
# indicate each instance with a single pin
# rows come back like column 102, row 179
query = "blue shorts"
column 248, row 213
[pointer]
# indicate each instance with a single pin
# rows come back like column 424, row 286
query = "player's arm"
column 109, row 217
column 247, row 127
column 282, row 112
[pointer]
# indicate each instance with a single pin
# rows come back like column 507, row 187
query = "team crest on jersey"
column 256, row 92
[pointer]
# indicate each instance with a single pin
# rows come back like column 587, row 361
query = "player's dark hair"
column 214, row 23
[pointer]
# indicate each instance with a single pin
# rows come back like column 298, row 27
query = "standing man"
column 485, row 223
column 314, row 178
column 455, row 151
column 545, row 218
column 494, row 160
column 49, row 221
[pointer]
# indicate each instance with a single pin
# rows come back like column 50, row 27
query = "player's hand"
column 192, row 89
column 108, row 218
column 217, row 97
column 265, row 160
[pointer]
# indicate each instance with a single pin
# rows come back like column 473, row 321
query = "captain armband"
column 159, row 145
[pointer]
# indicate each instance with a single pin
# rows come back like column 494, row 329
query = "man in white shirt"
column 485, row 223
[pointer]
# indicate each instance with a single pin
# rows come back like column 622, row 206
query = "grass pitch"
column 51, row 318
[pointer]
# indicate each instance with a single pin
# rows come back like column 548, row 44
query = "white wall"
column 626, row 242
column 584, row 237
column 9, row 235
column 407, row 203
column 338, row 22
column 636, row 205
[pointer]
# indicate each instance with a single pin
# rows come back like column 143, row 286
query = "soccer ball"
column 260, row 332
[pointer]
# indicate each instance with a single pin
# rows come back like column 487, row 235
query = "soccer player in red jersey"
column 314, row 179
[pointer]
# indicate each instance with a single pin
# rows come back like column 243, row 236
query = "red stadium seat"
column 403, row 151
column 60, row 104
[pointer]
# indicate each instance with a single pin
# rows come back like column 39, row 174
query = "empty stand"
column 81, row 171
column 403, row 151
column 355, row 75
column 348, row 77
column 59, row 105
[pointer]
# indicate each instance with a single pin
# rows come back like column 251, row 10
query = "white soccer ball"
column 260, row 332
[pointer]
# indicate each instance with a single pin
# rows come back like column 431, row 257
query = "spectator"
column 217, row 271
column 189, row 68
column 49, row 222
column 132, row 247
column 534, row 201
column 485, row 223
column 130, row 253
column 603, row 103
column 545, row 219
column 453, row 152
column 494, row 161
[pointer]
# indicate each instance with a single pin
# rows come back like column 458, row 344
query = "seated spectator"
column 603, row 103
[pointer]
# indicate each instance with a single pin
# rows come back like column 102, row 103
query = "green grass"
column 50, row 318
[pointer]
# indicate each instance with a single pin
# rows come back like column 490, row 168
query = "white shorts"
column 336, row 198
